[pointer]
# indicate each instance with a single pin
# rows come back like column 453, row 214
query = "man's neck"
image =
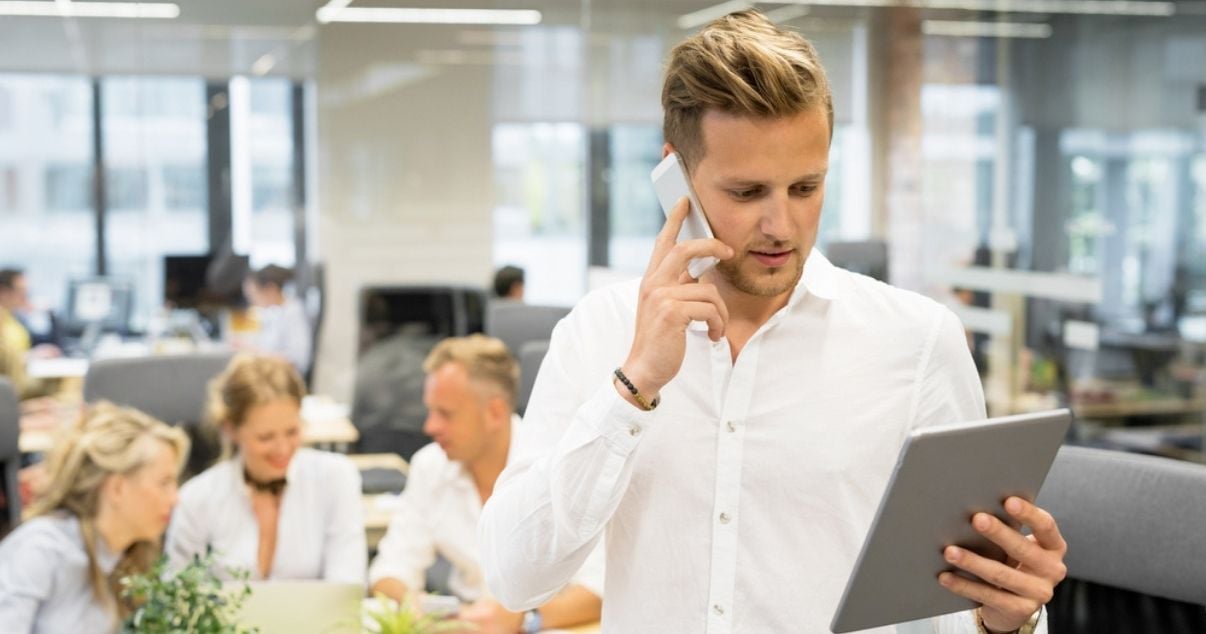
column 486, row 469
column 747, row 313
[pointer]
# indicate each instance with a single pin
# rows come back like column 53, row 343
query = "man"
column 15, row 341
column 470, row 397
column 508, row 283
column 736, row 458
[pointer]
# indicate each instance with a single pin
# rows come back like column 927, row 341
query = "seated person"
column 273, row 508
column 110, row 491
column 470, row 397
column 284, row 328
column 15, row 340
column 508, row 283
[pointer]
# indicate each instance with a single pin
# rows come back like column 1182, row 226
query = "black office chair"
column 171, row 388
column 1135, row 543
column 10, row 451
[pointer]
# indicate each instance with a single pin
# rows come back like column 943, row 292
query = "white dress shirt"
column 285, row 331
column 44, row 586
column 741, row 502
column 438, row 513
column 320, row 528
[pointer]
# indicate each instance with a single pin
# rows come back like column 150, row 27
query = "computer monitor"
column 104, row 304
column 187, row 281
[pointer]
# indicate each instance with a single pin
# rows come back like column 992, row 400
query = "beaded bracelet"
column 645, row 404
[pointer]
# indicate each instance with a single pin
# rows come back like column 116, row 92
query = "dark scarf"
column 272, row 486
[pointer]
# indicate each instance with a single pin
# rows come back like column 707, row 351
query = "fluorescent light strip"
column 329, row 14
column 1083, row 7
column 703, row 16
column 959, row 28
column 51, row 8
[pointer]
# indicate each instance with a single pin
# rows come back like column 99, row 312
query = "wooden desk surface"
column 37, row 435
column 1140, row 407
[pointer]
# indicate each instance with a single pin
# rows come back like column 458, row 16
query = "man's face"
column 17, row 297
column 761, row 183
column 458, row 416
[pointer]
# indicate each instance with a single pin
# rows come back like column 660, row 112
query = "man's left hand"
column 491, row 618
column 1011, row 592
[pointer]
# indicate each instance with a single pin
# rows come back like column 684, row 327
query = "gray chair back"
column 517, row 323
column 10, row 449
column 1132, row 522
column 171, row 388
column 531, row 355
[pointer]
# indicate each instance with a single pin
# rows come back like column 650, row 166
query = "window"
column 45, row 182
column 155, row 158
column 539, row 180
column 261, row 146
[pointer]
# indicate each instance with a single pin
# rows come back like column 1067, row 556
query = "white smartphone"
column 671, row 183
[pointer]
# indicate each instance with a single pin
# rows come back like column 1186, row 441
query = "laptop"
column 302, row 607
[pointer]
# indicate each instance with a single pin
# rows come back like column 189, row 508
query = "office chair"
column 171, row 388
column 516, row 323
column 10, row 451
column 1135, row 542
column 531, row 354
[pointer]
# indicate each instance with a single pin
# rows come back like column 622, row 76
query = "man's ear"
column 667, row 149
column 499, row 411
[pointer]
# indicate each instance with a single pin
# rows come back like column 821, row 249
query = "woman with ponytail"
column 273, row 507
column 112, row 483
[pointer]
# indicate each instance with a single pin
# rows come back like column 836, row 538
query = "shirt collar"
column 819, row 279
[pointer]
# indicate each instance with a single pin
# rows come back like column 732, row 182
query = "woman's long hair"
column 107, row 441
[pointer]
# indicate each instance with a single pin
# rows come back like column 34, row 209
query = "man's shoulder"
column 873, row 298
column 616, row 300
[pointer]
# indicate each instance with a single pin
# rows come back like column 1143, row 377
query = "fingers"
column 1014, row 607
column 668, row 236
column 1030, row 553
column 1041, row 524
column 1001, row 576
column 676, row 259
column 683, row 304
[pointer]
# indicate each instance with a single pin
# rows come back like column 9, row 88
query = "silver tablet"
column 943, row 476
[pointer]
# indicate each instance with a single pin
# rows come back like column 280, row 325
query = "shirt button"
column 730, row 426
column 634, row 430
column 718, row 610
column 724, row 518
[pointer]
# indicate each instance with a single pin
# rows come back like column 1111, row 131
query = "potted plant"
column 192, row 600
column 392, row 617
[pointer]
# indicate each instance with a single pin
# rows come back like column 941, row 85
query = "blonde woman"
column 111, row 489
column 272, row 508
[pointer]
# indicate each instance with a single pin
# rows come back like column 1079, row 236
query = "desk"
column 1140, row 407
column 378, row 508
column 38, row 437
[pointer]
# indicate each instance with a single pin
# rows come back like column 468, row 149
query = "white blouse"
column 44, row 585
column 320, row 533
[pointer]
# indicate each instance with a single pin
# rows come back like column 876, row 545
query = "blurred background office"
column 1039, row 165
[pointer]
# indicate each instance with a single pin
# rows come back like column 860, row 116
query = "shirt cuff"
column 620, row 423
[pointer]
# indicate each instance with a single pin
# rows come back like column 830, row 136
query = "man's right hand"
column 670, row 299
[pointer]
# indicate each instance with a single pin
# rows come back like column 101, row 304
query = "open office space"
column 250, row 243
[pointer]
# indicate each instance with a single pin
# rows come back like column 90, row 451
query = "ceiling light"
column 959, row 28
column 159, row 10
column 263, row 64
column 1083, row 7
column 703, row 16
column 330, row 13
column 788, row 13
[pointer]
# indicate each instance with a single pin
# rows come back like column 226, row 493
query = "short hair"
column 741, row 64
column 486, row 359
column 272, row 275
column 248, row 381
column 8, row 277
column 506, row 278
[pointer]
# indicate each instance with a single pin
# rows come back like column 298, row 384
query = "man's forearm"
column 574, row 605
column 391, row 588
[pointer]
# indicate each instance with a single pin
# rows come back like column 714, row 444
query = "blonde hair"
column 107, row 440
column 486, row 359
column 249, row 381
column 740, row 64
